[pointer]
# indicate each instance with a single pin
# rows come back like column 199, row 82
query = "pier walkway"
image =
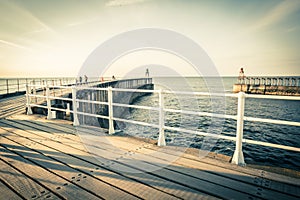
column 289, row 86
column 45, row 159
column 12, row 105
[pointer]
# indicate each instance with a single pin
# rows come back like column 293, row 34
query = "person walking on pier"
column 241, row 76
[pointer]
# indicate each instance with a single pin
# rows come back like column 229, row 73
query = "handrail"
column 17, row 85
column 238, row 157
column 289, row 81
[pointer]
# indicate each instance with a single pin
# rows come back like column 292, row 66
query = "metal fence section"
column 238, row 157
column 271, row 81
column 18, row 85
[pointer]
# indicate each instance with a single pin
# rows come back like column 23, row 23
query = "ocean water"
column 262, row 108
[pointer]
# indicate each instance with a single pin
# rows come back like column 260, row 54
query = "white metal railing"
column 16, row 85
column 238, row 157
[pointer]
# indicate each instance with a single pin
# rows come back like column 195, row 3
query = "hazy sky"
column 53, row 38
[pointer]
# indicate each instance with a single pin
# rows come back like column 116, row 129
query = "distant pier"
column 268, row 85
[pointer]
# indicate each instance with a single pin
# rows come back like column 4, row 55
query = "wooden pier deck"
column 45, row 159
column 12, row 105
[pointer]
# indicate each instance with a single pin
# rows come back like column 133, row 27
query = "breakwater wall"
column 289, row 86
column 100, row 99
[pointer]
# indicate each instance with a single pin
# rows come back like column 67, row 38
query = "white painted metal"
column 272, row 121
column 34, row 92
column 259, row 96
column 92, row 115
column 136, row 122
column 279, row 146
column 28, row 99
column 201, row 113
column 135, row 106
column 75, row 117
column 238, row 156
column 110, row 110
column 201, row 133
column 94, row 102
column 68, row 109
column 49, row 115
column 38, row 96
column 161, row 137
column 60, row 98
column 135, row 90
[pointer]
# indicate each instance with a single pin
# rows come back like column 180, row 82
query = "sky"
column 54, row 38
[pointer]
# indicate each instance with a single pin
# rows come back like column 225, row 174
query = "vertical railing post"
column 111, row 129
column 49, row 115
column 61, row 90
column 34, row 91
column 7, row 87
column 29, row 111
column 238, row 156
column 18, row 82
column 68, row 109
column 161, row 138
column 74, row 102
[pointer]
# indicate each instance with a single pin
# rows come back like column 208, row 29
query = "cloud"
column 13, row 14
column 78, row 23
column 11, row 44
column 113, row 3
column 278, row 13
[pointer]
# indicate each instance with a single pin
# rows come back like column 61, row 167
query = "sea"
column 288, row 110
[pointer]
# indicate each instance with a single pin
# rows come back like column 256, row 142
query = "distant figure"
column 241, row 76
column 80, row 79
column 85, row 78
column 147, row 73
column 101, row 79
column 113, row 77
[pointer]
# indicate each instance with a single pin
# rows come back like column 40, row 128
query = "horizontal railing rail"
column 238, row 157
column 293, row 81
column 17, row 85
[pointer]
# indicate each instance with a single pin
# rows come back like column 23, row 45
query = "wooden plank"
column 23, row 185
column 144, row 190
column 251, row 180
column 12, row 106
column 70, row 138
column 40, row 122
column 18, row 110
column 178, row 170
column 251, row 176
column 201, row 185
column 10, row 102
column 11, row 99
column 63, row 188
column 246, row 175
column 266, row 192
column 87, row 182
column 7, row 193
